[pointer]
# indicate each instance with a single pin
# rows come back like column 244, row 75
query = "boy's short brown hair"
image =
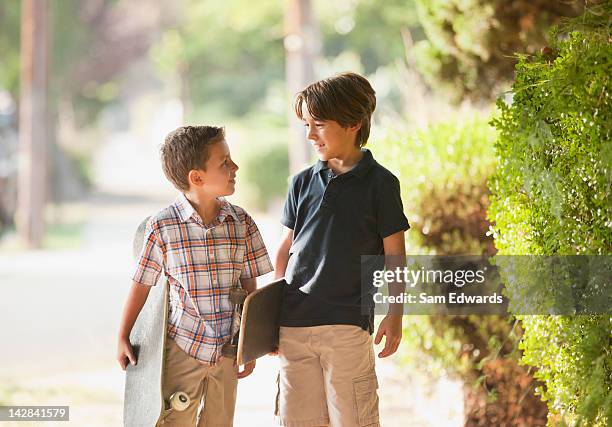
column 186, row 149
column 346, row 98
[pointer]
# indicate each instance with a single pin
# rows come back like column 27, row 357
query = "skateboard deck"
column 143, row 399
column 259, row 324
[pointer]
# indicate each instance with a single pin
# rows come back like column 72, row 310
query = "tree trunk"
column 302, row 45
column 33, row 121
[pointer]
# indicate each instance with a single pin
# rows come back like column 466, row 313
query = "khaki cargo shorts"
column 326, row 377
column 212, row 389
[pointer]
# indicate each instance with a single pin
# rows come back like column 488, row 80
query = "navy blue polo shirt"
column 335, row 220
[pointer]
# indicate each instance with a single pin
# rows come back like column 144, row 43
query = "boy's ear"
column 355, row 127
column 195, row 177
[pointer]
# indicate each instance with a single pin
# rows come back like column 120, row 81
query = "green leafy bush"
column 444, row 171
column 552, row 196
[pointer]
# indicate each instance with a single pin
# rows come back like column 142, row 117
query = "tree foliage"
column 90, row 46
column 230, row 55
column 9, row 47
column 551, row 196
column 445, row 169
column 372, row 32
column 471, row 43
column 226, row 54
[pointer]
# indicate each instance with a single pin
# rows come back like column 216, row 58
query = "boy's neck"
column 346, row 161
column 206, row 206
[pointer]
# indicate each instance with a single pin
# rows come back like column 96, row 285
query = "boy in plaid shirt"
column 204, row 245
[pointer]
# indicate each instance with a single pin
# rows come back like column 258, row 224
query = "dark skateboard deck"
column 259, row 324
column 143, row 399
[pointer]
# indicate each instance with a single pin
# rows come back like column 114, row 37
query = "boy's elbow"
column 395, row 244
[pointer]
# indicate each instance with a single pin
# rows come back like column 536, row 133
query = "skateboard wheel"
column 237, row 295
column 229, row 350
column 179, row 401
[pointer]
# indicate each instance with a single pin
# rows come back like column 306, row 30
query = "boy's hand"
column 125, row 354
column 246, row 370
column 391, row 327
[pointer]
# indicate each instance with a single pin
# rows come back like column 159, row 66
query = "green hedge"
column 552, row 196
column 443, row 172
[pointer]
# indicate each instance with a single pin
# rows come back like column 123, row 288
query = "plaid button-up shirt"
column 201, row 263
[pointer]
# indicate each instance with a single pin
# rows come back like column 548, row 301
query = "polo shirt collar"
column 186, row 210
column 360, row 169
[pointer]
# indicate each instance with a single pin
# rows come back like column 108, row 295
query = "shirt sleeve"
column 150, row 260
column 256, row 259
column 290, row 208
column 391, row 218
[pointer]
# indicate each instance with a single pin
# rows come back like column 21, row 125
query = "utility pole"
column 302, row 45
column 33, row 121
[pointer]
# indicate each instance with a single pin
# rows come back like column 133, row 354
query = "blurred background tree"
column 92, row 45
column 9, row 47
column 229, row 61
column 227, row 56
column 471, row 44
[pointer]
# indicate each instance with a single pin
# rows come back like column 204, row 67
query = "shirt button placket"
column 210, row 251
column 329, row 192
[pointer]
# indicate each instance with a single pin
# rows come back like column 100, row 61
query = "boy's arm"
column 135, row 301
column 391, row 325
column 282, row 256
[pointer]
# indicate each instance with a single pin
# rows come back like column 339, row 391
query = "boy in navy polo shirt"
column 345, row 206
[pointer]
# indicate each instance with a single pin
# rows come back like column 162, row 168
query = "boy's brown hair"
column 186, row 149
column 346, row 98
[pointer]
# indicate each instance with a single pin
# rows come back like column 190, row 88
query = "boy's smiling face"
column 219, row 176
column 328, row 138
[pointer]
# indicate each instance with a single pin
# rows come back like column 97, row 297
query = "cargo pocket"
column 366, row 399
column 277, row 400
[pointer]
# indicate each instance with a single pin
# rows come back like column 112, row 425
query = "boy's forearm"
column 135, row 301
column 280, row 263
column 395, row 257
column 282, row 256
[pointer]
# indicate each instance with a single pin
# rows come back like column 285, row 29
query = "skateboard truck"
column 237, row 296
